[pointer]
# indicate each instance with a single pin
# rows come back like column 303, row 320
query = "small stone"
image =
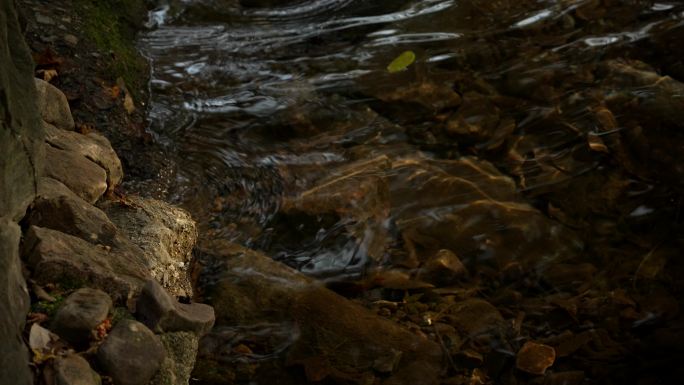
column 42, row 19
column 161, row 313
column 53, row 105
column 71, row 39
column 535, row 358
column 445, row 268
column 132, row 354
column 81, row 312
column 75, row 370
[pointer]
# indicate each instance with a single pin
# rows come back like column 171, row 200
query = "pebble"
column 535, row 358
column 71, row 39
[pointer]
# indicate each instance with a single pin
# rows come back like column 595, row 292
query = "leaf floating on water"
column 401, row 62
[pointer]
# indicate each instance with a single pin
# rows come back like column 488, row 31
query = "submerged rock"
column 131, row 354
column 80, row 313
column 337, row 339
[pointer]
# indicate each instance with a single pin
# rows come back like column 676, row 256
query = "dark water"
column 542, row 142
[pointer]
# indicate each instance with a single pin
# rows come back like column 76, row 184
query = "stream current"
column 532, row 155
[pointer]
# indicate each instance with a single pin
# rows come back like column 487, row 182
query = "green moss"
column 111, row 25
column 48, row 308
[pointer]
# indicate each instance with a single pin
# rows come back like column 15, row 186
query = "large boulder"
column 56, row 257
column 165, row 233
column 21, row 147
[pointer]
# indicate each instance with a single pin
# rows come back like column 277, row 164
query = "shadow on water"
column 531, row 156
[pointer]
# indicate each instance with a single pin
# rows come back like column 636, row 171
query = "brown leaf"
column 596, row 143
column 48, row 74
column 535, row 358
column 128, row 104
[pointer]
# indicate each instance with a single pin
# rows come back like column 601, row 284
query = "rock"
column 53, row 105
column 80, row 313
column 93, row 146
column 165, row 233
column 131, row 354
column 71, row 39
column 161, row 313
column 443, row 269
column 337, row 339
column 478, row 121
column 75, row 370
column 21, row 160
column 57, row 208
column 474, row 317
column 82, row 176
column 535, row 358
column 486, row 221
column 14, row 304
column 181, row 352
column 56, row 257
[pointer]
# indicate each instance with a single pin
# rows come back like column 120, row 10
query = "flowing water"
column 539, row 145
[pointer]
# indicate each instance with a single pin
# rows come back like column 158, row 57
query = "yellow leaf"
column 128, row 104
column 401, row 62
column 48, row 74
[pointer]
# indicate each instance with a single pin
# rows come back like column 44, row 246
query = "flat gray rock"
column 80, row 313
column 159, row 311
column 92, row 146
column 53, row 105
column 56, row 257
column 80, row 175
column 131, row 354
column 75, row 370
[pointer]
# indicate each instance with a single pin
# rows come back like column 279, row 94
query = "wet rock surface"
column 131, row 354
column 80, row 313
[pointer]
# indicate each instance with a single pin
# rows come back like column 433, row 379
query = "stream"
column 527, row 154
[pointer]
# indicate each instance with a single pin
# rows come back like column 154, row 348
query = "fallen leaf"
column 401, row 62
column 40, row 338
column 128, row 104
column 596, row 143
column 48, row 75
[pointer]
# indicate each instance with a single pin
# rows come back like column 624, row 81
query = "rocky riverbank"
column 93, row 278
